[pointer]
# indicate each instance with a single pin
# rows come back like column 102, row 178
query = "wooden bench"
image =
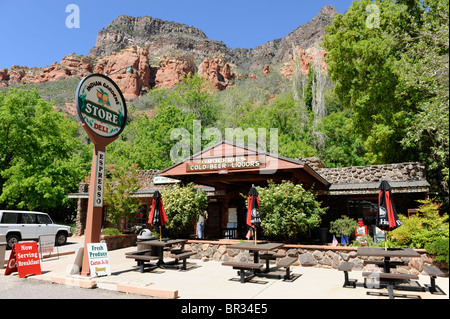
column 346, row 267
column 433, row 272
column 286, row 263
column 388, row 279
column 242, row 267
column 270, row 256
column 141, row 259
column 138, row 252
column 178, row 250
column 389, row 275
column 392, row 264
column 185, row 254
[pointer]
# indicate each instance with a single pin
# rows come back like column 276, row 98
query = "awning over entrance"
column 227, row 165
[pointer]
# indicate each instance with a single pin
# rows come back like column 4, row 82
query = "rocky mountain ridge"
column 162, row 52
column 161, row 36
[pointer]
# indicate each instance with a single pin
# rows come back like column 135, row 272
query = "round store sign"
column 101, row 105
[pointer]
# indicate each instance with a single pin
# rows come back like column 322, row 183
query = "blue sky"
column 34, row 33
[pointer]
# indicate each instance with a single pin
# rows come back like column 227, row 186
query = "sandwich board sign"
column 24, row 259
column 98, row 259
column 102, row 110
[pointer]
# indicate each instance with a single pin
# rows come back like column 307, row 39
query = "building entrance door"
column 213, row 224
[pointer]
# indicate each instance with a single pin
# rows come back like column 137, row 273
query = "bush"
column 365, row 240
column 287, row 209
column 118, row 194
column 418, row 231
column 439, row 248
column 182, row 205
column 343, row 226
column 111, row 231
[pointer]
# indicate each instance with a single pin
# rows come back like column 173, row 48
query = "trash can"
column 2, row 251
column 145, row 235
column 323, row 235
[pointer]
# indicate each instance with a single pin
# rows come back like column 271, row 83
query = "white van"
column 24, row 225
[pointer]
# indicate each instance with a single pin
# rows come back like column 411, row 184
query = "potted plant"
column 343, row 227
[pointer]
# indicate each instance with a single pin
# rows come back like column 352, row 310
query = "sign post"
column 102, row 110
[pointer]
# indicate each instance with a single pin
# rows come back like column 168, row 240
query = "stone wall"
column 114, row 242
column 307, row 255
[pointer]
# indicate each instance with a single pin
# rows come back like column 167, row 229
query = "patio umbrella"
column 387, row 218
column 158, row 215
column 253, row 219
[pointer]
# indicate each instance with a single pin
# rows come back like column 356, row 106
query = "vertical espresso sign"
column 102, row 111
column 99, row 179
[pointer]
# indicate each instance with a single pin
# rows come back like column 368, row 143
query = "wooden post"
column 94, row 214
column 385, row 240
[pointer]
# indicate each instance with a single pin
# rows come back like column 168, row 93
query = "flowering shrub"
column 418, row 231
column 182, row 205
column 287, row 209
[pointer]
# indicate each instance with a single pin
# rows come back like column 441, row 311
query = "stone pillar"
column 81, row 210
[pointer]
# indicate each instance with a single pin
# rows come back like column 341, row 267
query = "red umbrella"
column 158, row 215
column 253, row 219
column 387, row 218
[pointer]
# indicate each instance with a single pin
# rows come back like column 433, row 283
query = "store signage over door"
column 101, row 106
column 226, row 163
column 157, row 180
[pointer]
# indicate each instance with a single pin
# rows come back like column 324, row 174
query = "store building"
column 227, row 171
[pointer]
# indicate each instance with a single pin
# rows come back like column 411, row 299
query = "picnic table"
column 158, row 246
column 387, row 263
column 387, row 279
column 250, row 246
column 256, row 266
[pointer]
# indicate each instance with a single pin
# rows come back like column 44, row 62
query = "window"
column 140, row 219
column 43, row 219
column 9, row 218
column 365, row 209
column 28, row 218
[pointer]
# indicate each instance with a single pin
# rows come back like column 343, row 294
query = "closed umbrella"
column 158, row 215
column 253, row 219
column 387, row 218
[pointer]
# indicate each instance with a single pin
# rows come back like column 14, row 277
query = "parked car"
column 24, row 225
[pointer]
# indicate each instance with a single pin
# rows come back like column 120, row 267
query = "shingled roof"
column 404, row 177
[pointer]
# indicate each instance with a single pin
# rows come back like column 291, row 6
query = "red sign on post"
column 24, row 258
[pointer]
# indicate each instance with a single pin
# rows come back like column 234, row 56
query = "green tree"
column 423, row 73
column 343, row 226
column 147, row 141
column 194, row 95
column 361, row 62
column 287, row 209
column 309, row 90
column 182, row 205
column 394, row 77
column 41, row 160
column 342, row 147
column 119, row 194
